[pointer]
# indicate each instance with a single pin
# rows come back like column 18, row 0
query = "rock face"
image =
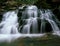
column 55, row 0
column 57, row 13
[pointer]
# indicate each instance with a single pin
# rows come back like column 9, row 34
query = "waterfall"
column 9, row 24
column 32, row 23
column 30, row 17
column 48, row 16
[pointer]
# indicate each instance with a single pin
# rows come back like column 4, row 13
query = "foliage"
column 27, row 1
column 42, row 4
column 13, row 4
column 45, row 5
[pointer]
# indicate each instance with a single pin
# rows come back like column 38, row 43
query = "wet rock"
column 57, row 13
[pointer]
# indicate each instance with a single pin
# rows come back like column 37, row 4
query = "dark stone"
column 39, row 24
column 57, row 13
column 48, row 27
column 1, row 15
column 56, row 1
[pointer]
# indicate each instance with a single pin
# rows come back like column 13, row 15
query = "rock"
column 57, row 13
column 55, row 0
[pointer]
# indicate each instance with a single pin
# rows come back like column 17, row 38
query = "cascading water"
column 9, row 26
column 34, row 23
column 9, row 23
column 30, row 16
column 48, row 16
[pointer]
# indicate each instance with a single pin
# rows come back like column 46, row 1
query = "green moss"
column 49, row 40
column 13, row 4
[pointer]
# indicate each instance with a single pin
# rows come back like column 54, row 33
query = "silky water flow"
column 10, row 29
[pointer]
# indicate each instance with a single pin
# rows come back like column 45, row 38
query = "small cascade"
column 30, row 17
column 9, row 27
column 48, row 16
column 9, row 24
column 34, row 25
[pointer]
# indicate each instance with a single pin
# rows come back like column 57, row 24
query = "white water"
column 30, row 16
column 9, row 24
column 48, row 15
